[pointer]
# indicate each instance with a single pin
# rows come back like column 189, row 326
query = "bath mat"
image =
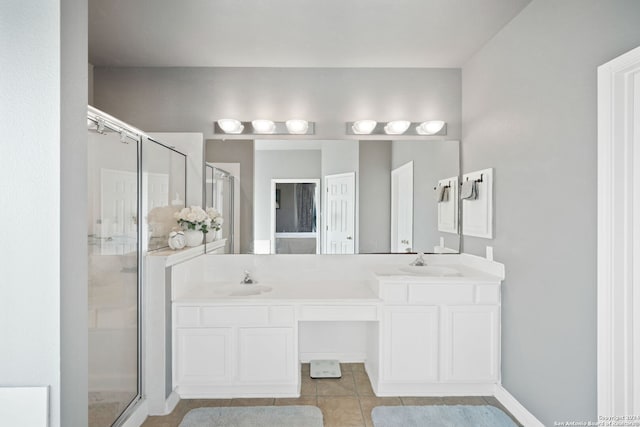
column 254, row 416
column 440, row 416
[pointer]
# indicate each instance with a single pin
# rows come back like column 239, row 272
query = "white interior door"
column 339, row 218
column 119, row 202
column 402, row 208
column 619, row 236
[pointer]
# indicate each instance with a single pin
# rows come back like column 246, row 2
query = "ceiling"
column 293, row 33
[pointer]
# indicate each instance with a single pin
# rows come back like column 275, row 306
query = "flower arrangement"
column 193, row 218
column 216, row 219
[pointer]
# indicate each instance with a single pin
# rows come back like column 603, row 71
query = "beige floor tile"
column 464, row 400
column 204, row 403
column 165, row 421
column 305, row 369
column 344, row 386
column 368, row 403
column 347, row 367
column 343, row 411
column 422, row 401
column 308, row 386
column 254, row 401
column 302, row 400
column 358, row 367
column 363, row 385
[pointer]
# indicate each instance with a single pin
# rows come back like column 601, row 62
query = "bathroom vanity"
column 431, row 330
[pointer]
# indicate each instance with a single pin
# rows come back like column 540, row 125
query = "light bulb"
column 364, row 127
column 230, row 125
column 263, row 126
column 296, row 126
column 430, row 128
column 397, row 127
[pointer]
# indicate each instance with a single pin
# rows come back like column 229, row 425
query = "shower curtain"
column 306, row 207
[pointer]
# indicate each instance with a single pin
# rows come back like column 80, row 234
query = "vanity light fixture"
column 397, row 127
column 231, row 125
column 430, row 128
column 363, row 127
column 263, row 126
column 297, row 126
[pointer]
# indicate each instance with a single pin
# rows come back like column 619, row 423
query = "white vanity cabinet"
column 410, row 338
column 227, row 350
column 437, row 338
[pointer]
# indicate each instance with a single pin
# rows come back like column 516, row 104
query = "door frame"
column 272, row 208
column 325, row 214
column 394, row 213
column 618, row 347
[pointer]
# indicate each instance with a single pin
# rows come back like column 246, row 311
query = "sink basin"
column 240, row 290
column 430, row 271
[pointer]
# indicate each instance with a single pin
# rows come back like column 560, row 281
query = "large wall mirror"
column 340, row 196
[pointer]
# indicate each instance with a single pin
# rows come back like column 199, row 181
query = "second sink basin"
column 241, row 290
column 430, row 271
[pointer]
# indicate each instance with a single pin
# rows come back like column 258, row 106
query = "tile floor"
column 345, row 402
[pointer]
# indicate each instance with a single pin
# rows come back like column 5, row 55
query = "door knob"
column 349, row 238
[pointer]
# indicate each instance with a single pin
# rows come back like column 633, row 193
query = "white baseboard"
column 24, row 406
column 517, row 410
column 171, row 402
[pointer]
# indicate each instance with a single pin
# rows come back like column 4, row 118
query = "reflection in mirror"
column 377, row 196
column 163, row 192
column 294, row 216
column 219, row 195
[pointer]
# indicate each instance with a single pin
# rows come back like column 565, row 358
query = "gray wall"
column 432, row 161
column 529, row 111
column 375, row 196
column 73, row 212
column 238, row 151
column 190, row 99
column 272, row 164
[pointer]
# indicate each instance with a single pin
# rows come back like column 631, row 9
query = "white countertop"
column 434, row 273
column 302, row 291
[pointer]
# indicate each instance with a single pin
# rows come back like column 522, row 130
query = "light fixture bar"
column 280, row 128
column 380, row 130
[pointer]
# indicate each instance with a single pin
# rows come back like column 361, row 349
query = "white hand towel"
column 442, row 193
column 468, row 190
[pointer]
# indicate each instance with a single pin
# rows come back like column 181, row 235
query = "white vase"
column 210, row 236
column 193, row 237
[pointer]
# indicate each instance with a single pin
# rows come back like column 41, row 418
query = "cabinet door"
column 470, row 343
column 266, row 354
column 203, row 356
column 410, row 344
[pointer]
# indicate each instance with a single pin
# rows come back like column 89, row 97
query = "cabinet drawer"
column 187, row 316
column 488, row 294
column 441, row 294
column 396, row 293
column 338, row 312
column 235, row 315
column 281, row 315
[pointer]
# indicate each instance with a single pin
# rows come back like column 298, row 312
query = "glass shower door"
column 219, row 194
column 113, row 332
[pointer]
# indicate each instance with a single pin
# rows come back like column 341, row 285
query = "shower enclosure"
column 219, row 194
column 135, row 184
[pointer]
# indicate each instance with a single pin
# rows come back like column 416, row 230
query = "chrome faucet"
column 419, row 262
column 247, row 280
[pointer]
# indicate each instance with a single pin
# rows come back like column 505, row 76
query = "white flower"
column 193, row 216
